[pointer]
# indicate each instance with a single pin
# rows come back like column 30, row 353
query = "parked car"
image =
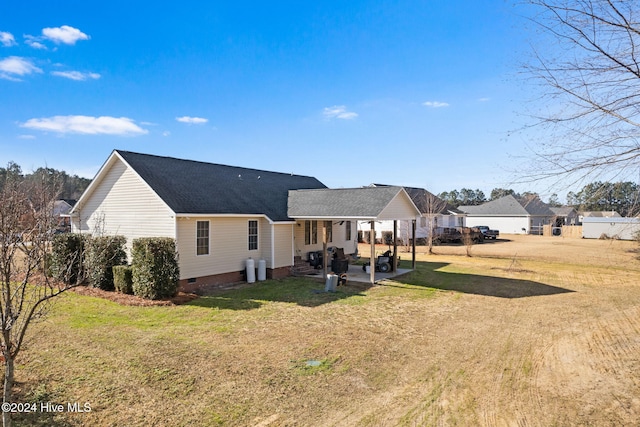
column 488, row 233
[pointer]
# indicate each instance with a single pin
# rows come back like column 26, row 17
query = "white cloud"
column 339, row 112
column 166, row 133
column 484, row 99
column 86, row 125
column 192, row 120
column 76, row 75
column 6, row 39
column 435, row 104
column 64, row 34
column 14, row 66
column 34, row 42
column 26, row 137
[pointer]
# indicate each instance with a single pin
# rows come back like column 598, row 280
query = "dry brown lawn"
column 529, row 331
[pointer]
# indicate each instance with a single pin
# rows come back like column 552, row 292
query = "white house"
column 219, row 215
column 433, row 213
column 510, row 215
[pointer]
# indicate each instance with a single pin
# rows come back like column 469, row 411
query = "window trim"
column 207, row 238
column 314, row 232
column 310, row 232
column 250, row 235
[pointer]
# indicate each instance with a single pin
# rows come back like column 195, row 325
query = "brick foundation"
column 219, row 280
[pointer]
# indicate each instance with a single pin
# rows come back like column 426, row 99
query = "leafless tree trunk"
column 587, row 61
column 432, row 206
column 26, row 222
column 467, row 240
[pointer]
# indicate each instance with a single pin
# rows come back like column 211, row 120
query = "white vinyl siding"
column 228, row 246
column 401, row 207
column 339, row 240
column 123, row 204
column 505, row 224
column 283, row 256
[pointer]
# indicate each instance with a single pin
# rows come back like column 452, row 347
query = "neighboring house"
column 510, row 215
column 565, row 215
column 61, row 210
column 434, row 212
column 223, row 215
column 597, row 214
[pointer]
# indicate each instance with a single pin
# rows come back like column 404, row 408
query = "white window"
column 202, row 238
column 310, row 232
column 253, row 235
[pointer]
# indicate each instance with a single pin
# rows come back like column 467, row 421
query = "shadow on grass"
column 309, row 292
column 298, row 290
column 428, row 274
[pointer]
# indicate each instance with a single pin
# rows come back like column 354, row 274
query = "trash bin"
column 340, row 266
column 332, row 283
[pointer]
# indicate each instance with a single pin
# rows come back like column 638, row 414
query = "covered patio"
column 356, row 274
column 370, row 204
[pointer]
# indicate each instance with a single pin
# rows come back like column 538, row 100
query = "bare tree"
column 431, row 207
column 26, row 221
column 587, row 61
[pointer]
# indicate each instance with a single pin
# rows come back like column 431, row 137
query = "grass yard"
column 533, row 331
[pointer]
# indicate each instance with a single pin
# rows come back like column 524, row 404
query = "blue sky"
column 418, row 93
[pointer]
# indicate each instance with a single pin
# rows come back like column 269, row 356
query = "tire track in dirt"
column 596, row 365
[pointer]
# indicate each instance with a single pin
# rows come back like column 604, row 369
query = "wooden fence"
column 570, row 231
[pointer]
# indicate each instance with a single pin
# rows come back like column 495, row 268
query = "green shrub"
column 122, row 280
column 66, row 260
column 101, row 255
column 155, row 267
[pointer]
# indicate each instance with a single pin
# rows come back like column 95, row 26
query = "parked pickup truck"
column 488, row 233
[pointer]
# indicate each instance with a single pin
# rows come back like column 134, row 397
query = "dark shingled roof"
column 427, row 202
column 192, row 187
column 510, row 206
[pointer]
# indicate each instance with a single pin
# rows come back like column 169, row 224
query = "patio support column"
column 395, row 245
column 325, row 256
column 372, row 262
column 413, row 244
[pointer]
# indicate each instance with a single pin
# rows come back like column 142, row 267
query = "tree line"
column 622, row 197
column 70, row 186
column 469, row 197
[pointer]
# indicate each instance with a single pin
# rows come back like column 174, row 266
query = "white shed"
column 619, row 228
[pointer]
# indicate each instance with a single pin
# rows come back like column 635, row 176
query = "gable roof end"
column 353, row 203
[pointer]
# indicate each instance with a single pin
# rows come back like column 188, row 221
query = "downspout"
column 273, row 246
column 395, row 245
column 293, row 244
column 413, row 244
